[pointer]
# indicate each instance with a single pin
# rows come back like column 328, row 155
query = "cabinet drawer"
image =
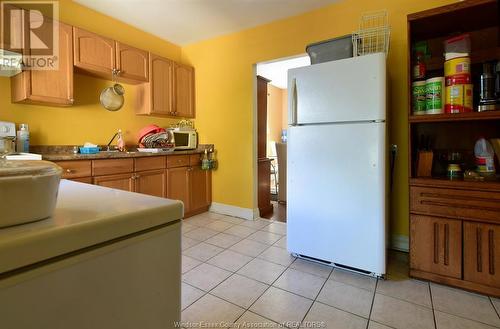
column 86, row 180
column 150, row 163
column 112, row 166
column 465, row 204
column 177, row 161
column 75, row 169
column 195, row 159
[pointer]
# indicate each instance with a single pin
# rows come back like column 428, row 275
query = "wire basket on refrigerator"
column 373, row 35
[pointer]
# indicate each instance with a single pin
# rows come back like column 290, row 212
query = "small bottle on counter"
column 23, row 139
column 205, row 163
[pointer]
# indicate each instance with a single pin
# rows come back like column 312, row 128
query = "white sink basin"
column 28, row 190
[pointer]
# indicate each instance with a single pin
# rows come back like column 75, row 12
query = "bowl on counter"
column 28, row 190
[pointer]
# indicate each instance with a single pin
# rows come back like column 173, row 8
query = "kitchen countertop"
column 63, row 153
column 85, row 215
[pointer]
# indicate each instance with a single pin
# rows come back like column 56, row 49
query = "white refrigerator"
column 336, row 184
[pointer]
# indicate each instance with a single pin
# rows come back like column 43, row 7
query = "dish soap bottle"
column 205, row 163
column 120, row 141
column 485, row 161
column 23, row 138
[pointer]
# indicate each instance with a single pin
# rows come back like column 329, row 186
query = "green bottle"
column 205, row 163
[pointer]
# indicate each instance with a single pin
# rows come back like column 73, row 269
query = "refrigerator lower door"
column 336, row 208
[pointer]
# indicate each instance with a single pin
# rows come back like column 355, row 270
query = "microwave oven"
column 185, row 139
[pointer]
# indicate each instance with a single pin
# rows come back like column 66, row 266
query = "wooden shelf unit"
column 454, row 224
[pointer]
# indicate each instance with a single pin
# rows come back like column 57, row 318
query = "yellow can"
column 458, row 98
column 460, row 65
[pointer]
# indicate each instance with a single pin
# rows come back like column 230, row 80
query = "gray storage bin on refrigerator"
column 330, row 50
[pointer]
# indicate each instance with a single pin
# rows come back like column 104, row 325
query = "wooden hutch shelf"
column 454, row 224
column 445, row 117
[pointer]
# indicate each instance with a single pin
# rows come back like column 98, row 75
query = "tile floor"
column 238, row 272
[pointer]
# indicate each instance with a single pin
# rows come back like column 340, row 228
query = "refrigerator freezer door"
column 347, row 90
column 336, row 194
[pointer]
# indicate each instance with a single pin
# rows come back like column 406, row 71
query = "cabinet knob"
column 72, row 100
column 70, row 171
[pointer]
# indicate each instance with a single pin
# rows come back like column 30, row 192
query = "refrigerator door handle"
column 294, row 102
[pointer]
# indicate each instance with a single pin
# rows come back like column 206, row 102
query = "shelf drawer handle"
column 479, row 245
column 446, row 244
column 436, row 243
column 491, row 250
column 70, row 171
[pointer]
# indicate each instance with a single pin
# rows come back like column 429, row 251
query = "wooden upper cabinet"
column 156, row 97
column 51, row 86
column 482, row 253
column 436, row 245
column 94, row 53
column 133, row 63
column 184, row 91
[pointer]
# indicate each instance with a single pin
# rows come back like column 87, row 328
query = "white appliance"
column 185, row 139
column 336, row 185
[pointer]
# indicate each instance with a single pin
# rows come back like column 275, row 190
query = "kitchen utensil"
column 7, row 137
column 487, row 99
column 112, row 97
column 28, row 190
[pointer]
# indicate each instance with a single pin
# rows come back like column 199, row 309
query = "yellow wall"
column 274, row 117
column 225, row 82
column 87, row 120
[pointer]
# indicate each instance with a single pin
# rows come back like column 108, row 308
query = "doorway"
column 272, row 123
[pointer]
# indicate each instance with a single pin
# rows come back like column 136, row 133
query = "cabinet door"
column 93, row 53
column 121, row 182
column 161, row 89
column 178, row 185
column 482, row 253
column 436, row 245
column 151, row 182
column 133, row 63
column 51, row 86
column 200, row 188
column 184, row 91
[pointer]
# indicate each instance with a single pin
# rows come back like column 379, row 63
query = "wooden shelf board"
column 477, row 57
column 461, row 184
column 470, row 116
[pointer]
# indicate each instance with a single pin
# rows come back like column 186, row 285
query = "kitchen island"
column 105, row 259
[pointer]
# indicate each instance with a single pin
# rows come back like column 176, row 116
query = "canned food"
column 458, row 79
column 419, row 97
column 458, row 98
column 455, row 66
column 434, row 89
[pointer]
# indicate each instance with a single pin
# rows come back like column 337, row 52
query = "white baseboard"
column 226, row 209
column 400, row 242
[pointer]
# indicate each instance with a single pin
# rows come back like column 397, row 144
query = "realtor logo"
column 29, row 34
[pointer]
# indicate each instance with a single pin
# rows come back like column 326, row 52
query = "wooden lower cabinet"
column 200, row 189
column 436, row 245
column 123, row 182
column 482, row 253
column 151, row 182
column 86, row 180
column 178, row 185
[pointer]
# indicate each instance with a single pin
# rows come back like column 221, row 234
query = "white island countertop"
column 85, row 215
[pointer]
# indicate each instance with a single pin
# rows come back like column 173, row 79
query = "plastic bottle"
column 120, row 141
column 23, row 138
column 485, row 161
column 205, row 163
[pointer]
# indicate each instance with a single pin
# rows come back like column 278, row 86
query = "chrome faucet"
column 112, row 139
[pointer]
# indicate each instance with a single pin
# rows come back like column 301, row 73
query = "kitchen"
column 224, row 119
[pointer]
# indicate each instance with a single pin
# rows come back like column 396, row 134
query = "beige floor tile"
column 281, row 306
column 205, row 276
column 262, row 270
column 239, row 230
column 281, row 243
column 345, row 297
column 399, row 314
column 189, row 263
column 265, row 237
column 354, row 279
column 189, row 295
column 211, row 310
column 256, row 223
column 465, row 304
column 199, row 220
column 187, row 227
column 224, row 240
column 312, row 267
column 332, row 318
column 276, row 227
column 448, row 321
column 202, row 251
column 252, row 320
column 277, row 255
column 219, row 225
column 240, row 290
column 230, row 260
column 412, row 291
column 213, row 215
column 249, row 247
column 188, row 242
column 201, row 233
column 496, row 303
column 300, row 283
column 375, row 325
column 232, row 220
